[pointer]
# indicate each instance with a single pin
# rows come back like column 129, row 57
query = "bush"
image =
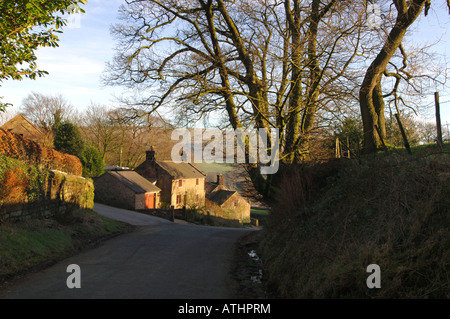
column 15, row 146
column 14, row 183
column 92, row 161
column 68, row 140
column 20, row 182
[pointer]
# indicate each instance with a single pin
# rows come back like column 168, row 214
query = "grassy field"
column 25, row 246
column 429, row 149
column 222, row 168
column 260, row 214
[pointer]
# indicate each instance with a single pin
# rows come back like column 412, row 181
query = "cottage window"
column 178, row 199
column 196, row 198
column 180, row 183
column 196, row 181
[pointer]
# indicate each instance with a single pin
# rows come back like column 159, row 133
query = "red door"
column 149, row 201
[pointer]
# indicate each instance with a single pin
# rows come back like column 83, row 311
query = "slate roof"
column 220, row 196
column 181, row 170
column 134, row 181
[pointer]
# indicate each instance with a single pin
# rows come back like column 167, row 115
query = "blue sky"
column 427, row 30
column 76, row 65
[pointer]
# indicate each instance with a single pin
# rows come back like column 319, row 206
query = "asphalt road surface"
column 160, row 260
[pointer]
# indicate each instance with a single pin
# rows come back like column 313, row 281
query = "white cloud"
column 70, row 65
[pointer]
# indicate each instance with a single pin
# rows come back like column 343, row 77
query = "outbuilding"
column 126, row 189
column 232, row 205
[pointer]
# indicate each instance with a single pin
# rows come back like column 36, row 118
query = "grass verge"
column 330, row 223
column 30, row 245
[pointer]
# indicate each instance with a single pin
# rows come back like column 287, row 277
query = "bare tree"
column 371, row 97
column 262, row 63
column 7, row 115
column 123, row 135
column 46, row 110
column 136, row 132
column 285, row 64
column 427, row 132
column 98, row 128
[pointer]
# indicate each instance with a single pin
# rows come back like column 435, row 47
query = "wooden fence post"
column 438, row 120
column 348, row 147
column 338, row 148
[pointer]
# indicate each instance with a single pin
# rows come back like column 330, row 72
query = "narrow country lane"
column 160, row 260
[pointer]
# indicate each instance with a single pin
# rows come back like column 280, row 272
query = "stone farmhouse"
column 126, row 189
column 181, row 184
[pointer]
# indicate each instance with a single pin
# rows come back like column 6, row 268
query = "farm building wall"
column 109, row 191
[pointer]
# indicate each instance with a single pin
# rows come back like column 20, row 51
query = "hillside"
column 333, row 220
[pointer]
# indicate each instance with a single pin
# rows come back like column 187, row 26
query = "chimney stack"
column 150, row 155
column 220, row 180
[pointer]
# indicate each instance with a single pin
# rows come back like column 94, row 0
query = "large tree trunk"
column 305, row 123
column 370, row 95
column 309, row 114
column 295, row 95
column 256, row 95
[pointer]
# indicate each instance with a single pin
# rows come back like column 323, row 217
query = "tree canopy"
column 285, row 64
column 26, row 25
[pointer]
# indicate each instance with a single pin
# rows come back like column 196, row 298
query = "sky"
column 86, row 45
column 75, row 67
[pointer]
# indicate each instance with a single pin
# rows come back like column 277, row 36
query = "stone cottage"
column 126, row 189
column 232, row 205
column 181, row 184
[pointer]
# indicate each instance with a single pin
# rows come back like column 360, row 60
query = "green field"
column 260, row 214
column 263, row 212
column 222, row 168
